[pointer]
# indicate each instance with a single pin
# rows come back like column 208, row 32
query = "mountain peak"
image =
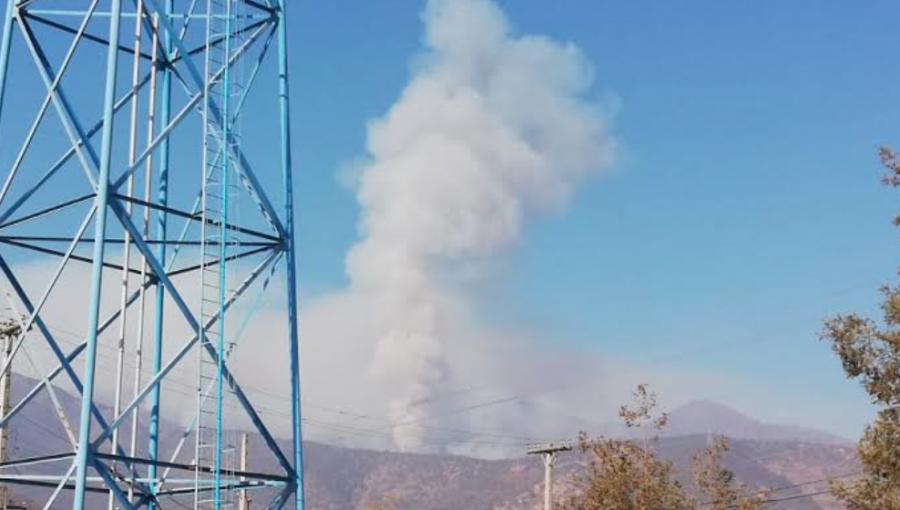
column 701, row 417
column 709, row 412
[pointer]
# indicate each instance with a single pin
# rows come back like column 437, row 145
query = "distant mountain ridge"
column 708, row 417
column 349, row 479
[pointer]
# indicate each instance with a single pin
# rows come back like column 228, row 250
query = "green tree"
column 870, row 352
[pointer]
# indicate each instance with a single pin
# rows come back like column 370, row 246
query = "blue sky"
column 745, row 206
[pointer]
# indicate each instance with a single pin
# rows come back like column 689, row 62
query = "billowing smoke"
column 493, row 129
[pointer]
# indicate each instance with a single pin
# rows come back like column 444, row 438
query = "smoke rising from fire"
column 492, row 130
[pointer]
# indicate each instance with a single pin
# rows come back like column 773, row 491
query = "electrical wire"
column 778, row 499
column 183, row 388
column 388, row 423
column 190, row 391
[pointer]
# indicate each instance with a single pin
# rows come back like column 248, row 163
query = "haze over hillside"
column 349, row 478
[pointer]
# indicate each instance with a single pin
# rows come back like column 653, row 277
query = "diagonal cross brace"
column 47, row 100
column 71, row 151
column 193, row 102
column 254, row 186
column 113, row 486
column 54, row 346
column 73, row 354
column 61, row 103
column 153, row 262
column 35, row 310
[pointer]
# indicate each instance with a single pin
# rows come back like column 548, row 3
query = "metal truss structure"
column 124, row 118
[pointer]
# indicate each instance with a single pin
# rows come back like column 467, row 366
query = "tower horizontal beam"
column 31, row 16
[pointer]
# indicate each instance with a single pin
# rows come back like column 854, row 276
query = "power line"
column 378, row 432
column 779, row 499
column 471, row 389
column 820, row 480
column 189, row 390
column 388, row 422
column 795, row 496
column 578, row 381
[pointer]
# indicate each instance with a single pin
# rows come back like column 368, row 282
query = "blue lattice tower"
column 215, row 452
column 123, row 155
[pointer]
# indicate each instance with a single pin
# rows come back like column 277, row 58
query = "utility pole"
column 548, row 452
column 244, row 496
column 9, row 331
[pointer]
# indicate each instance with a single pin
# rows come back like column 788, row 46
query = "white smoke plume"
column 493, row 129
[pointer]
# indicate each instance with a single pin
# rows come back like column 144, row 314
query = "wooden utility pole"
column 548, row 453
column 244, row 496
column 9, row 331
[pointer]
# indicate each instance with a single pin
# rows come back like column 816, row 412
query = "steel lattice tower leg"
column 71, row 152
column 288, row 173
